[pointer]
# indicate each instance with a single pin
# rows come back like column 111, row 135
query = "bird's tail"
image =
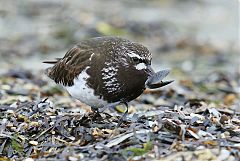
column 156, row 80
column 52, row 61
column 48, row 70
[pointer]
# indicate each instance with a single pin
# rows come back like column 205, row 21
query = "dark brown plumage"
column 106, row 70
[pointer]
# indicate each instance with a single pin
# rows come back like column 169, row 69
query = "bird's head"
column 139, row 57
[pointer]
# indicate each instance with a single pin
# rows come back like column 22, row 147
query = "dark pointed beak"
column 150, row 70
column 155, row 80
column 158, row 85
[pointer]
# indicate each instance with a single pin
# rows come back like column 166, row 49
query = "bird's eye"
column 137, row 60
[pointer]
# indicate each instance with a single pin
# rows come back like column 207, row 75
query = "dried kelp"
column 191, row 120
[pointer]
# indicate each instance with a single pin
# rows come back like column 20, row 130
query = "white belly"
column 81, row 91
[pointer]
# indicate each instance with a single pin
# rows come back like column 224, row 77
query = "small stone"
column 5, row 87
column 28, row 159
column 52, row 117
column 10, row 111
column 214, row 112
column 13, row 128
column 33, row 142
column 160, row 102
column 187, row 66
column 10, row 124
column 23, row 98
column 224, row 154
column 72, row 138
column 148, row 98
column 224, row 119
column 229, row 99
column 34, row 123
column 14, row 105
column 236, row 121
column 4, row 121
column 80, row 156
column 72, row 158
column 224, row 135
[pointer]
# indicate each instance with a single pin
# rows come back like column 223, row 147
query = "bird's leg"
column 102, row 109
column 94, row 109
column 124, row 115
column 96, row 112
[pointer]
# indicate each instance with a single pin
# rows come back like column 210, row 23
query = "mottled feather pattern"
column 66, row 69
column 115, row 69
column 126, row 72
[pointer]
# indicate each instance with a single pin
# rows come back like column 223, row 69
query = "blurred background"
column 192, row 37
column 198, row 39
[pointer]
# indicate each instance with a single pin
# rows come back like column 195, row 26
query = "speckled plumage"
column 109, row 69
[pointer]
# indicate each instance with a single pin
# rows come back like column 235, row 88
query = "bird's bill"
column 158, row 85
column 155, row 80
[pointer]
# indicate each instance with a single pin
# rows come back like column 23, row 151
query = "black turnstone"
column 106, row 71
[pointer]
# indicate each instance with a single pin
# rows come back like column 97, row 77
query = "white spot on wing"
column 109, row 73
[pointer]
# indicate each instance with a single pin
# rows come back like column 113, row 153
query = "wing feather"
column 70, row 66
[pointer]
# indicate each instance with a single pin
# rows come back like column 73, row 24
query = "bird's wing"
column 70, row 66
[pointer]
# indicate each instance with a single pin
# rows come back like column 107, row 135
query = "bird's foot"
column 123, row 116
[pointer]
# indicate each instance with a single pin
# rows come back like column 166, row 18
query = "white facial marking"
column 132, row 54
column 81, row 91
column 141, row 66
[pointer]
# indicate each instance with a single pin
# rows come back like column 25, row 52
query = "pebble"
column 148, row 99
column 14, row 105
column 160, row 102
column 229, row 99
column 28, row 159
column 4, row 121
column 10, row 111
column 224, row 119
column 5, row 87
column 224, row 154
column 33, row 142
column 10, row 124
column 34, row 123
column 72, row 158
